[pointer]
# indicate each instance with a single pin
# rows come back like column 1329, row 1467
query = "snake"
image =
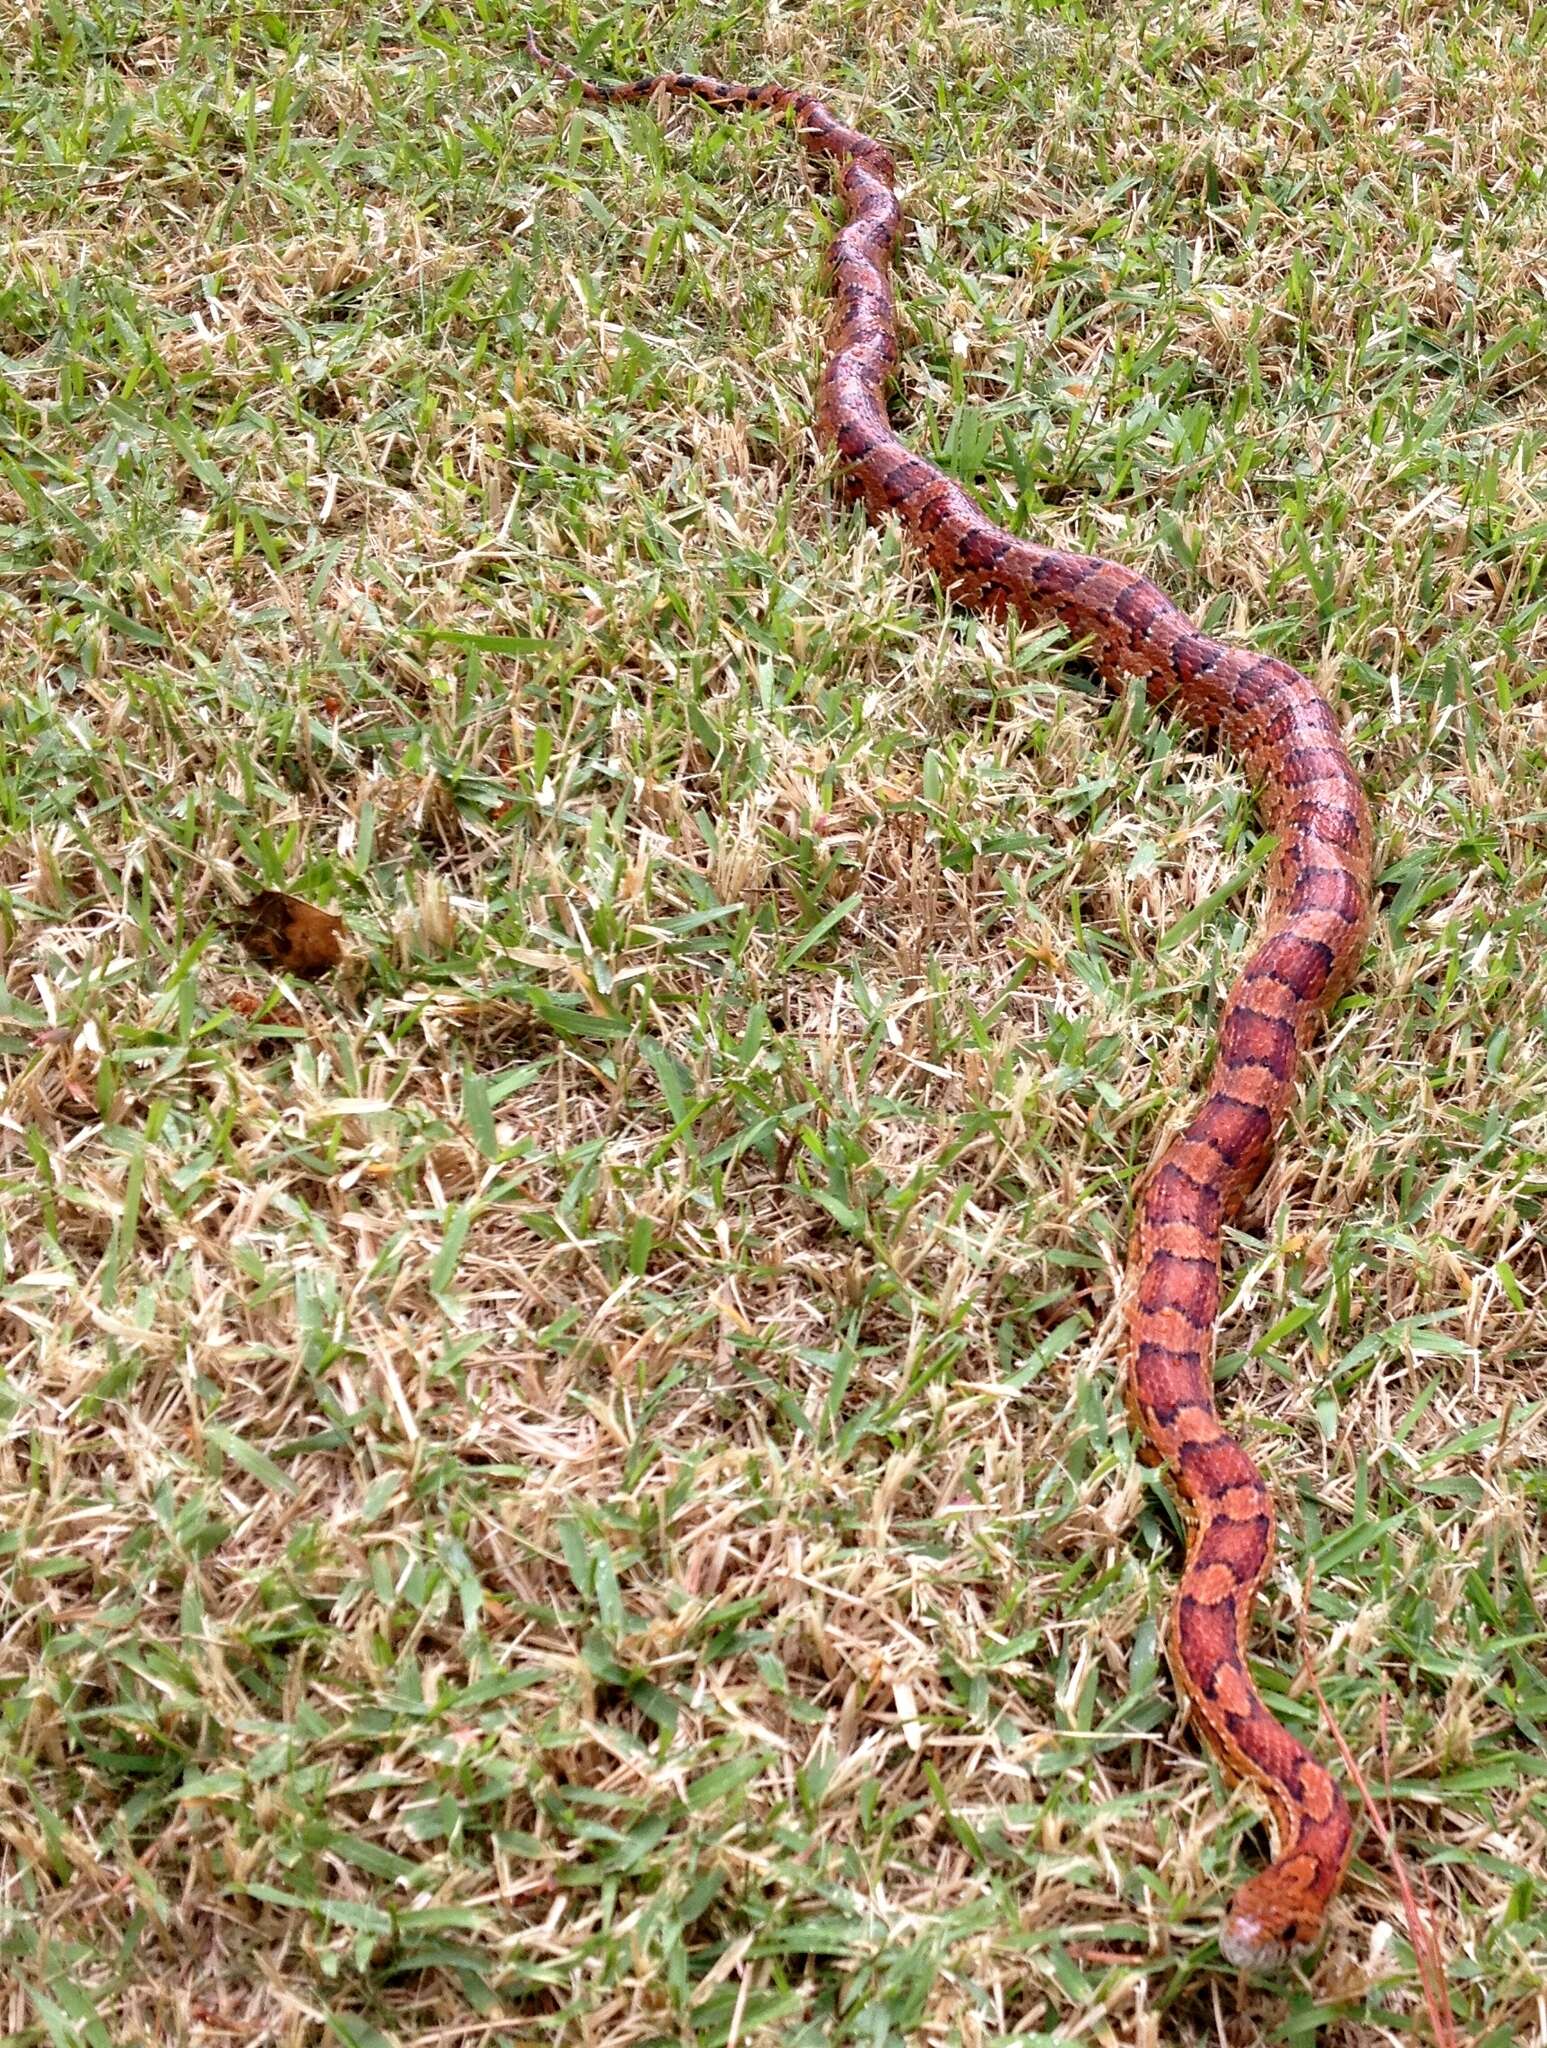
column 1286, row 737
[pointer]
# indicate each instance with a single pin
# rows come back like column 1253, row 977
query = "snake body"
column 1286, row 737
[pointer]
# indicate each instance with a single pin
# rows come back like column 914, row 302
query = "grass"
column 566, row 1484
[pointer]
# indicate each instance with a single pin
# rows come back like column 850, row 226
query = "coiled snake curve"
column 1287, row 739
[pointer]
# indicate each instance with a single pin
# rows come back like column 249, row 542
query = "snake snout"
column 1270, row 1923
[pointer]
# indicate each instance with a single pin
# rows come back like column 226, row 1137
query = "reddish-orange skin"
column 1287, row 739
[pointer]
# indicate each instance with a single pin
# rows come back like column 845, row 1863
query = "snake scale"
column 1287, row 739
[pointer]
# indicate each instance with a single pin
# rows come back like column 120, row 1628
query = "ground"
column 564, row 1481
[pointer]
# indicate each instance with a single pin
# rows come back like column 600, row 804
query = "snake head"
column 1272, row 1920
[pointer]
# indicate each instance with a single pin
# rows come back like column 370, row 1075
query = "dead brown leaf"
column 291, row 936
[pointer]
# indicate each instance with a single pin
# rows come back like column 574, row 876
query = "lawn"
column 564, row 1481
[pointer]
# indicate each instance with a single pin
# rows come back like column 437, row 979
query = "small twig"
column 1425, row 1945
column 1431, row 1964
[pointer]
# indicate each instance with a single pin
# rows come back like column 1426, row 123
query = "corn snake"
column 1286, row 737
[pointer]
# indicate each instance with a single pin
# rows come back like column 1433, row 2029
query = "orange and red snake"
column 1287, row 739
